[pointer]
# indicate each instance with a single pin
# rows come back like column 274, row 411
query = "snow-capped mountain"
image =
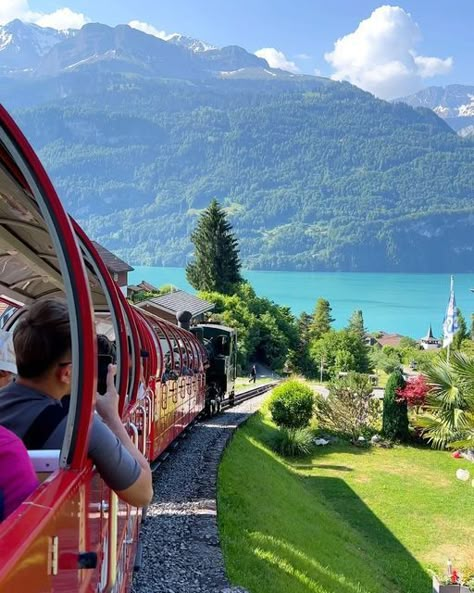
column 22, row 45
column 195, row 45
column 454, row 103
column 27, row 50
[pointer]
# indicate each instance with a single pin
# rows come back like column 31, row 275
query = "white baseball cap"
column 7, row 353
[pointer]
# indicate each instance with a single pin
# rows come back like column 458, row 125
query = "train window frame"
column 70, row 280
column 115, row 309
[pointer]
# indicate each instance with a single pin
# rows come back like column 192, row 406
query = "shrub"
column 349, row 410
column 395, row 412
column 293, row 442
column 414, row 392
column 291, row 404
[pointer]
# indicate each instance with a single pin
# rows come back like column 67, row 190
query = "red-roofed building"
column 389, row 340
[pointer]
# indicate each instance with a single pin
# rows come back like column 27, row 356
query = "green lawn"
column 346, row 520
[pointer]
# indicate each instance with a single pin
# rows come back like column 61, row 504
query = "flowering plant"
column 414, row 392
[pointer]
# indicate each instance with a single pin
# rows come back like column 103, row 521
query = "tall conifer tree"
column 322, row 319
column 395, row 413
column 216, row 265
column 356, row 323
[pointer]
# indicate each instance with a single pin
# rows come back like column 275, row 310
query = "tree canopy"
column 314, row 174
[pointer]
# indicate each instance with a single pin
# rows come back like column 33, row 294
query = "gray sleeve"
column 116, row 466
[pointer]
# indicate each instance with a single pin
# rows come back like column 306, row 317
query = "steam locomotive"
column 73, row 534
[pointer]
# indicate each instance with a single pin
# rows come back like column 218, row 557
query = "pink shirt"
column 17, row 475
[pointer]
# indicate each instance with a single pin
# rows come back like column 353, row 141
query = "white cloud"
column 63, row 18
column 12, row 9
column 149, row 29
column 428, row 67
column 380, row 57
column 303, row 57
column 277, row 59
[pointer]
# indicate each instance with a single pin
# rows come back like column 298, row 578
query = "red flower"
column 414, row 392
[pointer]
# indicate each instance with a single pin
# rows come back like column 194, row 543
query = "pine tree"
column 302, row 360
column 356, row 323
column 395, row 411
column 216, row 266
column 462, row 333
column 322, row 319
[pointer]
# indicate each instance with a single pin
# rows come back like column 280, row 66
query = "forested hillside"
column 315, row 175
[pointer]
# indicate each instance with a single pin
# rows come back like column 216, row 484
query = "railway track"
column 180, row 539
column 248, row 394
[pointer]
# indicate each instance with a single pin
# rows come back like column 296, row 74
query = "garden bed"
column 345, row 520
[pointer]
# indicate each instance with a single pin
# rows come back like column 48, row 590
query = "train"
column 73, row 534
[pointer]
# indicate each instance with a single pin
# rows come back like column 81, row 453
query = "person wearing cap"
column 17, row 475
column 7, row 358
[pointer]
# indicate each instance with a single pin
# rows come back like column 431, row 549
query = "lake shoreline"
column 393, row 302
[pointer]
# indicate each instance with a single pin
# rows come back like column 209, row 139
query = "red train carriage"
column 73, row 534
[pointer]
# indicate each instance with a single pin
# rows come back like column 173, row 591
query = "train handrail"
column 134, row 430
column 151, row 412
column 112, row 543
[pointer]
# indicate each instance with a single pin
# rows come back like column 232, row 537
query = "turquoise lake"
column 401, row 303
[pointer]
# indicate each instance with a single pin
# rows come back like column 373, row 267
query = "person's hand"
column 107, row 404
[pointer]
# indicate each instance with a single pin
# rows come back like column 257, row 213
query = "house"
column 143, row 286
column 388, row 340
column 117, row 268
column 168, row 305
column 429, row 342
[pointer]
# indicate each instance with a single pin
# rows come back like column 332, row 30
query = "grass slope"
column 346, row 520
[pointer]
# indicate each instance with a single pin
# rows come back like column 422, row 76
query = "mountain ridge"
column 121, row 48
column 454, row 103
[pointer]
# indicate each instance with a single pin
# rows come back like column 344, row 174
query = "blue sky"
column 397, row 48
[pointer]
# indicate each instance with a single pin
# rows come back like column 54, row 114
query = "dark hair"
column 42, row 337
column 106, row 346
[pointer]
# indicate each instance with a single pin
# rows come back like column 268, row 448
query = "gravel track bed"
column 181, row 551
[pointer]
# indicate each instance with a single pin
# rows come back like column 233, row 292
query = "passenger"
column 33, row 409
column 17, row 475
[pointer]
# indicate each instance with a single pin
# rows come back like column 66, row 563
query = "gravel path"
column 181, row 551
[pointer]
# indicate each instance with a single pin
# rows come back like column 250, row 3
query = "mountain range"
column 454, row 103
column 138, row 135
column 30, row 51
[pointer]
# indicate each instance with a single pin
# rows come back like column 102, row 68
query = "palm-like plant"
column 449, row 419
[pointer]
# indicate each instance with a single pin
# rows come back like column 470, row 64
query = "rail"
column 248, row 394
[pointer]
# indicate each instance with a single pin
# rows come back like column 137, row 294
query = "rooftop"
column 179, row 300
column 113, row 263
column 389, row 339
